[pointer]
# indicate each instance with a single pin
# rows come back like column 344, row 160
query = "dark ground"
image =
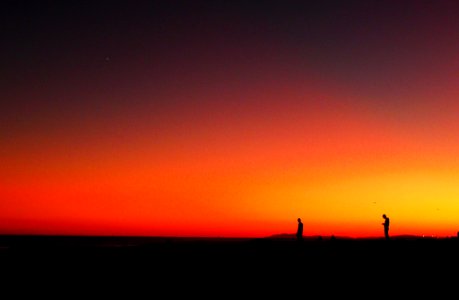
column 229, row 267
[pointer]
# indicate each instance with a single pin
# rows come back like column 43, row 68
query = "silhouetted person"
column 386, row 226
column 299, row 231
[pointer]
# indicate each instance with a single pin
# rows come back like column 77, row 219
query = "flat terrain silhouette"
column 200, row 265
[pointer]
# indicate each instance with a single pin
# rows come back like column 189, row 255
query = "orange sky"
column 238, row 175
column 125, row 133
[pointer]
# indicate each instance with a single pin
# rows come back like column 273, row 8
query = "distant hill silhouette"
column 307, row 237
column 327, row 237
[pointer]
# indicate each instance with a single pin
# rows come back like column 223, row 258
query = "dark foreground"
column 228, row 267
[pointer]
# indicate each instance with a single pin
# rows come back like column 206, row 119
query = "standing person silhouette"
column 386, row 226
column 299, row 231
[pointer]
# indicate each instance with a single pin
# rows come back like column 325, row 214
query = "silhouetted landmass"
column 200, row 265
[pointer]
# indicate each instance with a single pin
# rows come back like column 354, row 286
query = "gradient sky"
column 229, row 118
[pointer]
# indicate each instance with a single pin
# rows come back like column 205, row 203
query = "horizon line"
column 273, row 236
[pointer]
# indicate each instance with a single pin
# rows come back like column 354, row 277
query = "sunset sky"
column 229, row 118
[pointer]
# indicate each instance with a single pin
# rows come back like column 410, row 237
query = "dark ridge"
column 208, row 267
